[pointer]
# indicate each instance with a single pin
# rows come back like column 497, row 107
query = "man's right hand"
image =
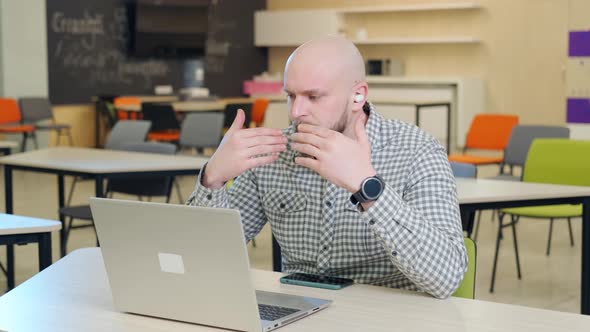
column 242, row 149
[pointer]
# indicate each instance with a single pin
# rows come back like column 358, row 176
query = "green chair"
column 467, row 287
column 554, row 161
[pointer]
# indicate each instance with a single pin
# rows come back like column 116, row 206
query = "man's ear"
column 360, row 96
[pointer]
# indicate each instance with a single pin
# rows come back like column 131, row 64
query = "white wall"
column 23, row 53
column 23, row 48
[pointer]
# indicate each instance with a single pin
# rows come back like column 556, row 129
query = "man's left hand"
column 343, row 161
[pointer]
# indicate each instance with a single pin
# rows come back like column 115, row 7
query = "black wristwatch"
column 371, row 188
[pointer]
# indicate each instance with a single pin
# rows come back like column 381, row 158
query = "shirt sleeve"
column 243, row 195
column 421, row 230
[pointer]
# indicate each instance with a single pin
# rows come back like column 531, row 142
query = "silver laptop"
column 189, row 264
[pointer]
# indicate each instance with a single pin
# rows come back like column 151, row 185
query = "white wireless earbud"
column 358, row 98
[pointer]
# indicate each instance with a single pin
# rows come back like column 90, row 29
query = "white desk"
column 480, row 194
column 94, row 163
column 194, row 105
column 5, row 146
column 73, row 295
column 20, row 229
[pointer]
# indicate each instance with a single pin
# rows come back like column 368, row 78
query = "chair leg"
column 569, row 226
column 23, row 144
column 34, row 136
column 71, row 193
column 549, row 238
column 70, row 138
column 477, row 223
column 178, row 192
column 514, row 220
column 496, row 253
column 68, row 228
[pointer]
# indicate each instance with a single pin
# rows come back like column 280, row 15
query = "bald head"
column 331, row 56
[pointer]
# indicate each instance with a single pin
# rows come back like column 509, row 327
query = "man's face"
column 315, row 96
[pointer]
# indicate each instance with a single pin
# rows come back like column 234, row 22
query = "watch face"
column 372, row 188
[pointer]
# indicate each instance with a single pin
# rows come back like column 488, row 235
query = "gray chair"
column 516, row 152
column 519, row 143
column 140, row 186
column 201, row 130
column 36, row 109
column 463, row 170
column 123, row 132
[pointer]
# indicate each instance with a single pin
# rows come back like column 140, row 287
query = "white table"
column 94, row 163
column 73, row 295
column 5, row 147
column 20, row 229
column 481, row 194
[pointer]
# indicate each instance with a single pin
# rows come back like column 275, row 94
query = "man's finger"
column 265, row 149
column 308, row 138
column 238, row 121
column 307, row 149
column 256, row 162
column 308, row 162
column 263, row 140
column 260, row 131
column 307, row 128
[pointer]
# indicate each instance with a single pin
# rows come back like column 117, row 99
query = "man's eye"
column 313, row 98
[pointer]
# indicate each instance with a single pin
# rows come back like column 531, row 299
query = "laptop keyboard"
column 272, row 312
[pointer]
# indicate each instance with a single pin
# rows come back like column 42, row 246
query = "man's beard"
column 341, row 124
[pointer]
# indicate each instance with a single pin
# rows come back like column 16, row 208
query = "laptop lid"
column 178, row 262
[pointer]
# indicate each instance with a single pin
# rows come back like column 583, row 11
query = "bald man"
column 347, row 193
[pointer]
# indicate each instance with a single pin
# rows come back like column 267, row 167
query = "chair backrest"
column 558, row 161
column 148, row 186
column 467, row 287
column 35, row 109
column 231, row 110
column 9, row 111
column 162, row 116
column 490, row 131
column 463, row 170
column 258, row 110
column 126, row 100
column 523, row 135
column 201, row 130
column 127, row 132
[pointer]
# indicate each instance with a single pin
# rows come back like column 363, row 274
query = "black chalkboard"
column 88, row 53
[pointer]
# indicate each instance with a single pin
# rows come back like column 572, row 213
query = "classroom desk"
column 73, row 295
column 194, row 105
column 97, row 164
column 6, row 146
column 21, row 229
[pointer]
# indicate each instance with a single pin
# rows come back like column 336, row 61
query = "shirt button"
column 282, row 205
column 372, row 222
column 394, row 253
column 209, row 196
column 325, row 248
column 329, row 204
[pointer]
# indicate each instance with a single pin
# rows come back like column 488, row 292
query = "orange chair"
column 259, row 107
column 127, row 101
column 487, row 132
column 10, row 122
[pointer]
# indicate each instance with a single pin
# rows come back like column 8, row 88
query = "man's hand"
column 339, row 159
column 242, row 149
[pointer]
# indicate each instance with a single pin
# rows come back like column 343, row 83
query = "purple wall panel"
column 579, row 43
column 578, row 110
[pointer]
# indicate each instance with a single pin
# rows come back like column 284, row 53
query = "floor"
column 548, row 282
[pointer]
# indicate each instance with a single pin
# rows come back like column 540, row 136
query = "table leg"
column 10, row 266
column 61, row 202
column 585, row 296
column 8, row 189
column 448, row 128
column 277, row 264
column 44, row 250
column 467, row 219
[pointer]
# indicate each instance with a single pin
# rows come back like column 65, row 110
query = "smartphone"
column 314, row 280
